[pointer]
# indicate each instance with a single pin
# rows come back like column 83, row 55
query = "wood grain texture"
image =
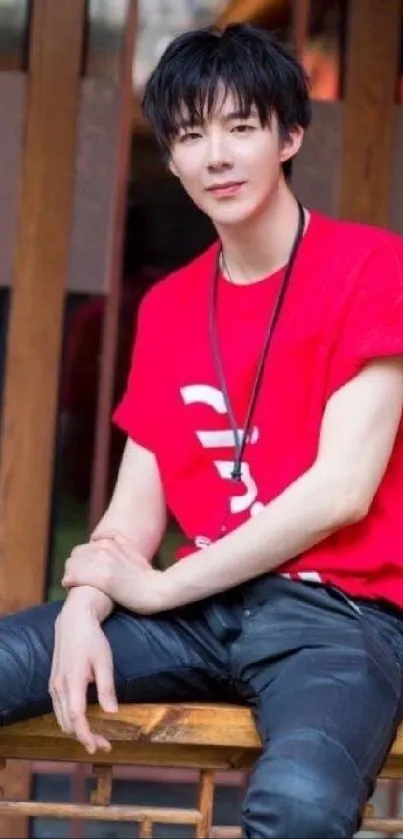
column 204, row 736
column 205, row 804
column 369, row 109
column 35, row 322
column 181, row 724
column 103, row 791
column 117, row 813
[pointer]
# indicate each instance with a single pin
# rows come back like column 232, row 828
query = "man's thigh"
column 327, row 706
column 162, row 658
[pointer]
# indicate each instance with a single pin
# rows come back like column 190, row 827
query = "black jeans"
column 322, row 674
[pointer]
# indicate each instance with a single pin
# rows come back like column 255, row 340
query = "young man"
column 264, row 408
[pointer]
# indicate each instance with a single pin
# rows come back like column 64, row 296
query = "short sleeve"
column 371, row 323
column 135, row 415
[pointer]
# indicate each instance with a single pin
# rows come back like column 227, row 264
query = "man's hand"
column 82, row 655
column 114, row 565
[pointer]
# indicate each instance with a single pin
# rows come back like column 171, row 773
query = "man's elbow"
column 350, row 500
column 357, row 507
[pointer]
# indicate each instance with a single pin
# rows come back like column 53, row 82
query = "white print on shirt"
column 211, row 396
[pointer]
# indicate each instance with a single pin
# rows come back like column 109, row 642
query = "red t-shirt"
column 344, row 307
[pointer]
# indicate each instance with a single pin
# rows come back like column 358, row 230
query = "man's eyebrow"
column 197, row 121
column 240, row 114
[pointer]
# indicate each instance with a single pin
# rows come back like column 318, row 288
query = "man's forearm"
column 95, row 603
column 309, row 510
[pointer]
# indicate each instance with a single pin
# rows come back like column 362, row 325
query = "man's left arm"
column 358, row 432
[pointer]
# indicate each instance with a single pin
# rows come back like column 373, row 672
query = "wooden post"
column 373, row 37
column 35, row 322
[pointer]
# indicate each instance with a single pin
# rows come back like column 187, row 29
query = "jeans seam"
column 325, row 736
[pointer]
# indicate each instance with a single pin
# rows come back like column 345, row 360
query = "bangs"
column 200, row 69
column 196, row 103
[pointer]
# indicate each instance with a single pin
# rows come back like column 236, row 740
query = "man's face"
column 231, row 165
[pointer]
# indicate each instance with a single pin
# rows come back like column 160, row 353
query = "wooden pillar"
column 35, row 321
column 373, row 39
column 35, row 324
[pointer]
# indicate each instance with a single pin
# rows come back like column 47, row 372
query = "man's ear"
column 291, row 144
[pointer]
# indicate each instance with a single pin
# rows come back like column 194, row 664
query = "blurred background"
column 130, row 221
column 90, row 218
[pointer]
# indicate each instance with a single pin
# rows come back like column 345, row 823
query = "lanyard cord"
column 241, row 440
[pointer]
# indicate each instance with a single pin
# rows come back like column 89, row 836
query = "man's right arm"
column 136, row 513
column 137, row 510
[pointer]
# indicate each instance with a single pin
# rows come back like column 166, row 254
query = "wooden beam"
column 35, row 322
column 373, row 37
column 35, row 325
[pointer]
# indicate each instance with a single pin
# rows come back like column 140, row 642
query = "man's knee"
column 285, row 801
column 26, row 643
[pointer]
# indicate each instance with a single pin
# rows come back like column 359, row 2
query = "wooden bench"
column 206, row 737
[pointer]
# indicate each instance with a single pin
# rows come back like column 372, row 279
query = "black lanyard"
column 241, row 440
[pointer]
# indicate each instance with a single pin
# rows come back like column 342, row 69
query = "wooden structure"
column 206, row 737
column 67, row 117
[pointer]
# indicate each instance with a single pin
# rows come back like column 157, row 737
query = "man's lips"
column 228, row 188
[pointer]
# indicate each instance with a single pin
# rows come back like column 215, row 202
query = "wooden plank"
column 188, row 725
column 117, row 813
column 35, row 322
column 192, row 725
column 373, row 36
column 127, row 753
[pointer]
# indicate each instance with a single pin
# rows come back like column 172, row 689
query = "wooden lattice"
column 208, row 738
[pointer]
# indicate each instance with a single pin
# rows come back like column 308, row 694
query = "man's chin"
column 232, row 219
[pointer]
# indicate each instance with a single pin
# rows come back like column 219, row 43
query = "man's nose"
column 218, row 156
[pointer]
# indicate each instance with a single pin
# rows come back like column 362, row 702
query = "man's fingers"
column 57, row 690
column 102, row 743
column 79, row 723
column 103, row 672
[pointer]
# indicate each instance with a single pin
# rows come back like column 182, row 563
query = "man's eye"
column 190, row 135
column 243, row 128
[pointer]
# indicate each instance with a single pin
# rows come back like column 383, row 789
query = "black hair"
column 247, row 61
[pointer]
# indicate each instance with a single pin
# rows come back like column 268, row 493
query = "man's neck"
column 253, row 251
